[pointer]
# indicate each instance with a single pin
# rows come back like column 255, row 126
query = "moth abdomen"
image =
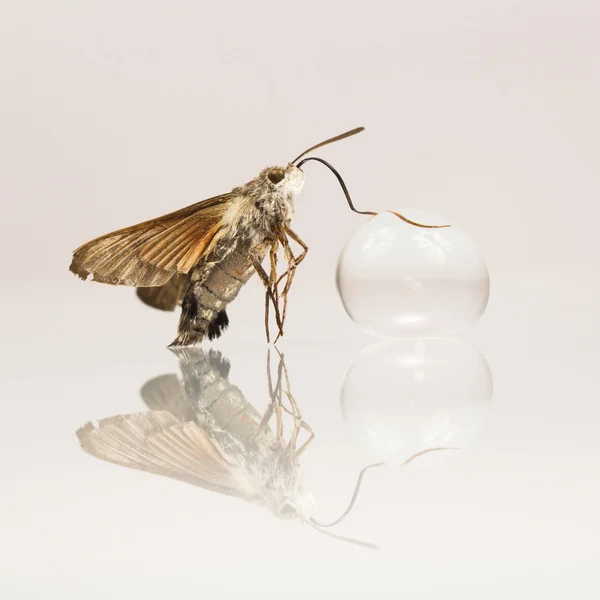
column 213, row 285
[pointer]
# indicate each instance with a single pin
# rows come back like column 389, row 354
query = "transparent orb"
column 399, row 280
column 409, row 398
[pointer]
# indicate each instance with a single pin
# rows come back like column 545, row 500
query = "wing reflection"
column 200, row 429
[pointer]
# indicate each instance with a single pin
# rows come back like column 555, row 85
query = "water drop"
column 399, row 280
column 409, row 397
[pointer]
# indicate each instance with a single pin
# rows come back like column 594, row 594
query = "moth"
column 201, row 430
column 200, row 257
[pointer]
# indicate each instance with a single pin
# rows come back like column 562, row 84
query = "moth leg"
column 279, row 404
column 273, row 280
column 269, row 294
column 299, row 424
column 283, row 387
column 299, row 241
column 311, row 437
column 292, row 234
column 273, row 259
column 293, row 262
column 298, row 420
column 264, row 423
column 263, row 275
column 273, row 407
column 267, row 317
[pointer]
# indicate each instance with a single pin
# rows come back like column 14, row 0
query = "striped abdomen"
column 212, row 286
column 232, row 420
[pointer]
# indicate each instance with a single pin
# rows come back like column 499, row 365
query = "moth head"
column 302, row 506
column 290, row 178
column 294, row 178
column 284, row 493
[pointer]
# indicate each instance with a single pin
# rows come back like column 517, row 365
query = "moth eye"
column 276, row 175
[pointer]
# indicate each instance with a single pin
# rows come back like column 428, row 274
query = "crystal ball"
column 397, row 280
column 408, row 399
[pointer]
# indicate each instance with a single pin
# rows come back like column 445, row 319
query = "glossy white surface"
column 397, row 280
column 514, row 512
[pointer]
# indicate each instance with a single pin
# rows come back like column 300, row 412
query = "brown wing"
column 165, row 297
column 157, row 442
column 150, row 253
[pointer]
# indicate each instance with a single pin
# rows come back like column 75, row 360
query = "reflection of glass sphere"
column 401, row 397
column 397, row 280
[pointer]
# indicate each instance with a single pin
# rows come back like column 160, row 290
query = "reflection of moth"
column 201, row 430
column 199, row 257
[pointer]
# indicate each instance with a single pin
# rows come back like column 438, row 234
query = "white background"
column 115, row 112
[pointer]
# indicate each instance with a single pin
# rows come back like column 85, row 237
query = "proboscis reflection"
column 201, row 430
column 406, row 398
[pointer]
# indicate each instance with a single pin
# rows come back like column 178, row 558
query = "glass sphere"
column 399, row 280
column 403, row 398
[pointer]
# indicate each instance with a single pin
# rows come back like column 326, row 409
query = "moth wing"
column 167, row 393
column 157, row 442
column 165, row 297
column 150, row 253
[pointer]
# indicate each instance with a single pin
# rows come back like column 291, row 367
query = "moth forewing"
column 157, row 442
column 150, row 253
